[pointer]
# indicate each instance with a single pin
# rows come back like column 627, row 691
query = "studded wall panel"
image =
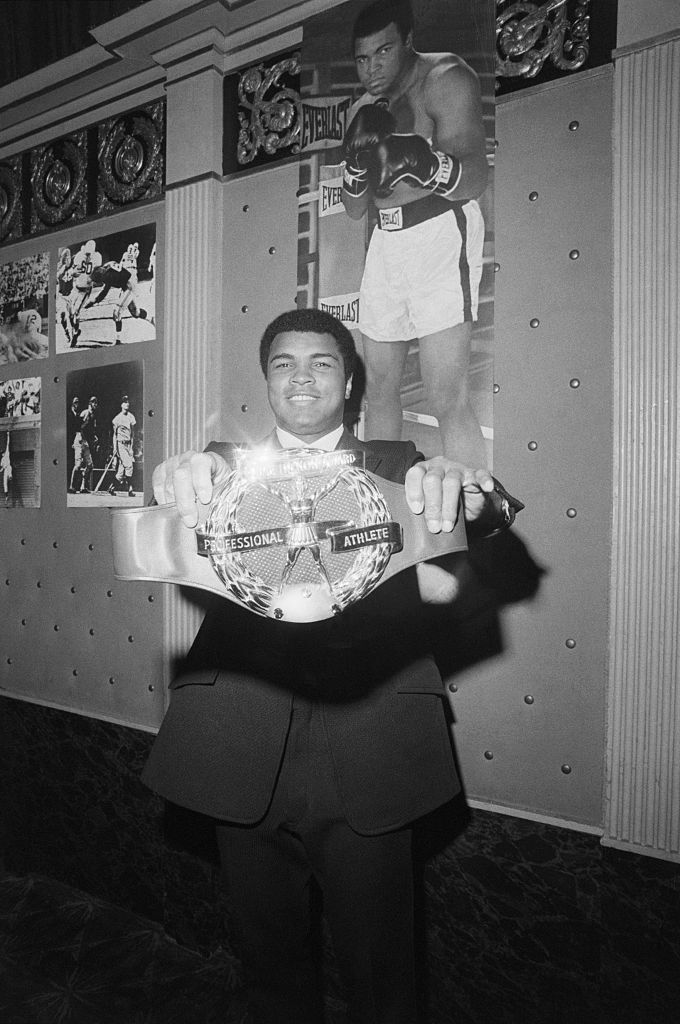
column 72, row 636
column 530, row 721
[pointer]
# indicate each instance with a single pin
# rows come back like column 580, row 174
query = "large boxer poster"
column 396, row 223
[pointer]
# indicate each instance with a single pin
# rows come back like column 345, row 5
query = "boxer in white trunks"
column 415, row 148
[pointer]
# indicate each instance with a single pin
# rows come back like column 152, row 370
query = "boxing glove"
column 411, row 159
column 371, row 124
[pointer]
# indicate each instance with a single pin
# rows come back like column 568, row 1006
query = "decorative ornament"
column 274, row 119
column 130, row 157
column 528, row 34
column 10, row 198
column 58, row 181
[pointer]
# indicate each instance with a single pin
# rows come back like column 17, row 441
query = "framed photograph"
column 106, row 290
column 24, row 286
column 105, row 436
column 20, row 420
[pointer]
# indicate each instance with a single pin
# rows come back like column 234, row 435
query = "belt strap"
column 153, row 544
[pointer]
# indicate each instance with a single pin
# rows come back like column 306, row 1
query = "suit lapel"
column 373, row 458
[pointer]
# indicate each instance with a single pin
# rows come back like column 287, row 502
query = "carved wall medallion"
column 529, row 34
column 58, row 181
column 10, row 199
column 130, row 157
column 270, row 121
column 94, row 170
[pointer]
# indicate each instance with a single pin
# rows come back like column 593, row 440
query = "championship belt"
column 297, row 534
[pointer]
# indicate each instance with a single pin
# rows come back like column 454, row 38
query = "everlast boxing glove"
column 412, row 159
column 371, row 124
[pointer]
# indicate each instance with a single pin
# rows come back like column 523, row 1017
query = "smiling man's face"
column 306, row 383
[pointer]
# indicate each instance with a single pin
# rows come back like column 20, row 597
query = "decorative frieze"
column 89, row 172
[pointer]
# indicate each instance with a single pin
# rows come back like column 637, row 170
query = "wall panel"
column 260, row 252
column 530, row 721
column 73, row 637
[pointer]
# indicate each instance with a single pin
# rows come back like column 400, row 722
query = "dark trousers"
column 367, row 888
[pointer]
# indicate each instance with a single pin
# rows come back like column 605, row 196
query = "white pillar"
column 642, row 804
column 193, row 272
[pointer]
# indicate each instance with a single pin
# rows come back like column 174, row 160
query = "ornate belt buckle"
column 299, row 534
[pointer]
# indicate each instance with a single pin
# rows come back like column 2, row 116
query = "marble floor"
column 67, row 958
column 521, row 925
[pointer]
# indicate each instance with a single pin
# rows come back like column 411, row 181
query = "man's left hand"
column 411, row 159
column 438, row 487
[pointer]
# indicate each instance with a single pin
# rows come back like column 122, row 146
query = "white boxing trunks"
column 422, row 277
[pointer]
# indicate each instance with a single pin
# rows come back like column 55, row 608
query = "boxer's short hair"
column 379, row 15
column 310, row 321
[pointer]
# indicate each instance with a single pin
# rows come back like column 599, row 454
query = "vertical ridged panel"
column 643, row 743
column 192, row 360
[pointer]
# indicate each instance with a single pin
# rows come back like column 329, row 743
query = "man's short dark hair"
column 379, row 15
column 310, row 321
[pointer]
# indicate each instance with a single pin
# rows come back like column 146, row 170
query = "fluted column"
column 642, row 805
column 193, row 274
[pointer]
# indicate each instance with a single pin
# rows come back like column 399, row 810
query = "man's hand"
column 371, row 124
column 189, row 480
column 411, row 159
column 436, row 488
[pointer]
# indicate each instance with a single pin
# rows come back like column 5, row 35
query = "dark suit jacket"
column 382, row 697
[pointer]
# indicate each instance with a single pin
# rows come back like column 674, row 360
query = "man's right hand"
column 369, row 127
column 189, row 480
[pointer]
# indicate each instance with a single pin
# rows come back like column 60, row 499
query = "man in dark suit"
column 315, row 746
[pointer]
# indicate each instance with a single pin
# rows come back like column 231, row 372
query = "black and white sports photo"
column 106, row 290
column 20, row 420
column 104, row 436
column 24, row 285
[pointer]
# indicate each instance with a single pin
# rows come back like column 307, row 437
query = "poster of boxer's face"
column 395, row 227
column 20, row 443
column 105, row 436
column 23, row 309
column 106, row 290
